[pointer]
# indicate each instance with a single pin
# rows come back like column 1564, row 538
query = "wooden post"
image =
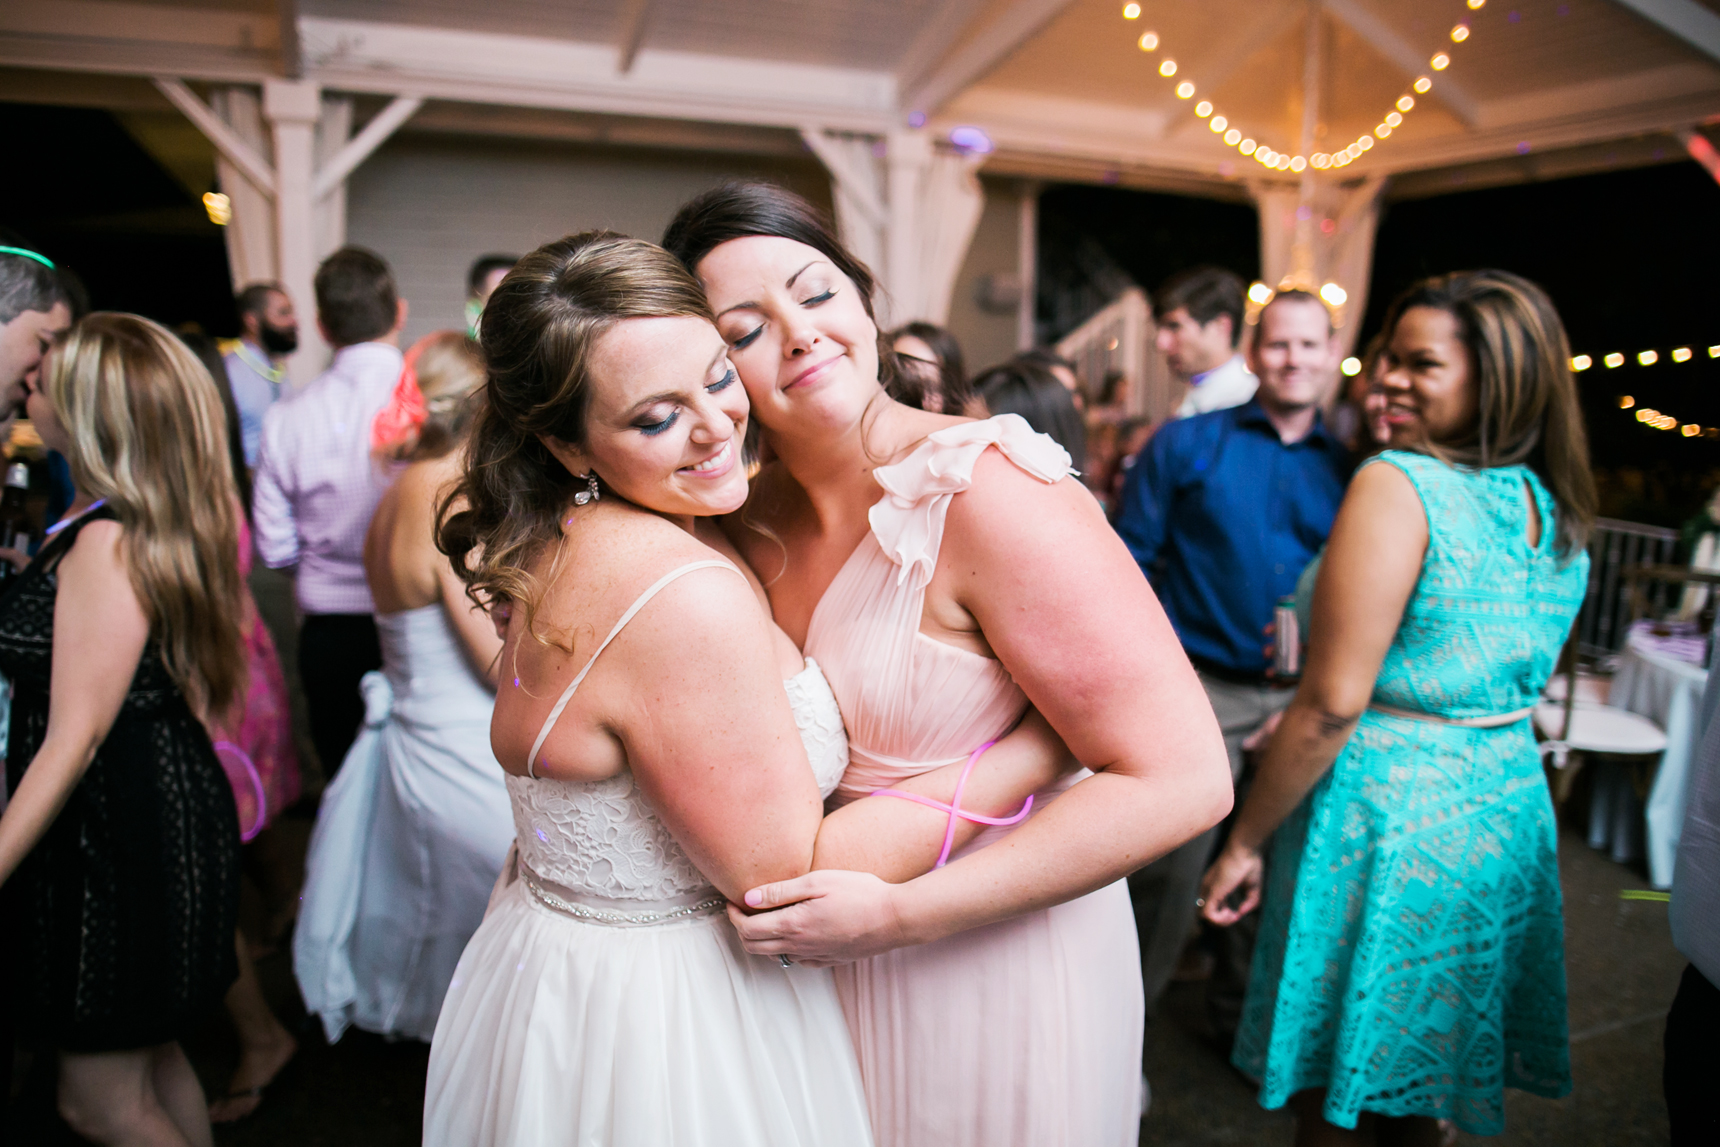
column 292, row 108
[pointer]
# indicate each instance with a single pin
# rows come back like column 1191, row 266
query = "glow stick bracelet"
column 954, row 808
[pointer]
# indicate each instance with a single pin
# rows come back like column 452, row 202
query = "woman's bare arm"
column 1067, row 611
column 100, row 631
column 897, row 840
column 477, row 632
column 1371, row 566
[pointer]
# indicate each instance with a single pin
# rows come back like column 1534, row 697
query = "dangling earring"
column 588, row 495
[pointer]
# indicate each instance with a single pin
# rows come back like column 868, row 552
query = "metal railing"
column 1615, row 547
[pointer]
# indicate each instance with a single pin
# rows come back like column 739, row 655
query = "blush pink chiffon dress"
column 1025, row 1033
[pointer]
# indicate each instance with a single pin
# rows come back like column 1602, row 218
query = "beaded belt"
column 558, row 898
column 1488, row 721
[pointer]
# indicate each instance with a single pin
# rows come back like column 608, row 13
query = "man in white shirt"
column 318, row 485
column 1199, row 317
column 268, row 333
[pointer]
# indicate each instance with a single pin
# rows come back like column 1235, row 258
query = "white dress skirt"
column 408, row 842
column 606, row 1000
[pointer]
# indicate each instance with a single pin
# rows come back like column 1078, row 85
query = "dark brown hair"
column 356, row 299
column 741, row 210
column 1206, row 292
column 1529, row 413
column 953, row 383
column 539, row 330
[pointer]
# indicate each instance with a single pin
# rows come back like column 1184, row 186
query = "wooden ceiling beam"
column 1686, row 19
column 948, row 22
column 1384, row 39
column 995, row 43
column 635, row 15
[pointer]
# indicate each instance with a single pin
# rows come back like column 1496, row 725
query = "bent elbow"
column 1220, row 797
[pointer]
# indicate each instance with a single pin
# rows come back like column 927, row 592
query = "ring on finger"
column 1200, row 902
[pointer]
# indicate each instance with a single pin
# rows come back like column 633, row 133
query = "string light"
column 1650, row 357
column 1647, row 415
column 1321, row 161
column 1351, row 366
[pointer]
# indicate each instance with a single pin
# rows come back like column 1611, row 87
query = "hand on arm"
column 99, row 634
column 1065, row 608
column 1372, row 563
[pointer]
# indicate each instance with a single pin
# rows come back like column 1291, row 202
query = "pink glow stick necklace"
column 954, row 807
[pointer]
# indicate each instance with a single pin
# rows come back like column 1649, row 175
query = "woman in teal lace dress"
column 1410, row 964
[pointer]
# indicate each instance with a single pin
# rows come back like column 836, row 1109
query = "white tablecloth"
column 1669, row 693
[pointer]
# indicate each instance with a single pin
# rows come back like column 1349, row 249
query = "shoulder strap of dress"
column 638, row 604
column 908, row 520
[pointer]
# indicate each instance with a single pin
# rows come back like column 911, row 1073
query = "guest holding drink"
column 1222, row 510
column 1410, row 963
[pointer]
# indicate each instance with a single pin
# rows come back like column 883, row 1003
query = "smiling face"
column 1293, row 353
column 797, row 331
column 23, row 342
column 1428, row 379
column 666, row 420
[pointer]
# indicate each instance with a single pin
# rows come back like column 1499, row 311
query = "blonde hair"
column 450, row 369
column 148, row 435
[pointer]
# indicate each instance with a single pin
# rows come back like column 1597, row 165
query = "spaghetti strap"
column 638, row 604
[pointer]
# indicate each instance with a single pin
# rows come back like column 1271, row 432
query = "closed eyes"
column 652, row 429
column 751, row 336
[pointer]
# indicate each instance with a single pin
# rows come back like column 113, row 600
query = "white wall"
column 987, row 339
column 431, row 204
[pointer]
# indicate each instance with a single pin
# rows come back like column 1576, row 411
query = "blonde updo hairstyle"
column 148, row 435
column 450, row 371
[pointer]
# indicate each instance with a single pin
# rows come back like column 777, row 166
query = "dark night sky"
column 1626, row 256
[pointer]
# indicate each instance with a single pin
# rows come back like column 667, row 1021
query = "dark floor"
column 1622, row 972
column 1622, row 969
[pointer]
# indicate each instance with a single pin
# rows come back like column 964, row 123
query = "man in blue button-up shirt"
column 1223, row 511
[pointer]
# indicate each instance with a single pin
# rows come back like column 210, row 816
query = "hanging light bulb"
column 1405, row 103
column 1259, row 293
column 1334, row 294
column 1440, row 62
column 1131, row 11
column 1248, row 146
column 1185, row 90
column 1475, row 4
column 1168, row 68
column 1582, row 362
column 1393, row 119
column 1423, row 84
column 1149, row 41
column 1298, row 163
column 1203, row 108
column 1460, row 33
column 1233, row 137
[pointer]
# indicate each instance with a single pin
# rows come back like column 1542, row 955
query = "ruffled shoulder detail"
column 908, row 520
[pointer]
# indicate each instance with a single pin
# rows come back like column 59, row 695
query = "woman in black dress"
column 119, row 849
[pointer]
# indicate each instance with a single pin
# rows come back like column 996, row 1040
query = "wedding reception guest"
column 945, row 586
column 317, row 486
column 1402, row 977
column 412, row 833
column 268, row 333
column 482, row 279
column 1222, row 511
column 1060, row 369
column 1692, row 1053
column 930, row 371
column 1031, row 390
column 254, row 742
column 34, row 308
column 1199, row 315
column 120, row 845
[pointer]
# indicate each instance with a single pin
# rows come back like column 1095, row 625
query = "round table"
column 1668, row 692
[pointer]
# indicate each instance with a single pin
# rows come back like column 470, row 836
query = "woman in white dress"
column 412, row 833
column 650, row 745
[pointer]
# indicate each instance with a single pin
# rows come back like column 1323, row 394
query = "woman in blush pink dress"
column 995, row 1001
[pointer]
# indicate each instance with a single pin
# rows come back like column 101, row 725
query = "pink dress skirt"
column 1025, row 1033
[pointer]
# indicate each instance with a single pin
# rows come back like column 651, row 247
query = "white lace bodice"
column 602, row 838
